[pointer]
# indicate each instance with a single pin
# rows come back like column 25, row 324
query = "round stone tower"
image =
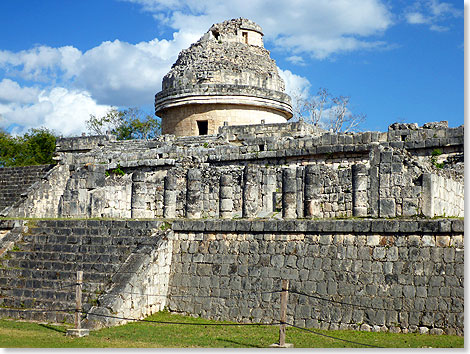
column 226, row 76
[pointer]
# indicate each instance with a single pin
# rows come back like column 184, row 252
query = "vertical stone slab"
column 269, row 190
column 169, row 196
column 226, row 196
column 289, row 193
column 300, row 191
column 193, row 193
column 427, row 200
column 359, row 190
column 312, row 188
column 250, row 191
column 138, row 190
column 374, row 158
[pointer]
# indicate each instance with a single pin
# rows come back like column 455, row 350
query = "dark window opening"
column 215, row 34
column 202, row 127
column 261, row 147
column 245, row 37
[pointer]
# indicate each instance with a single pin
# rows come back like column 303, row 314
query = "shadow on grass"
column 244, row 345
column 53, row 328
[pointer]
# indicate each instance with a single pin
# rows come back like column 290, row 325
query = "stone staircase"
column 38, row 274
column 16, row 180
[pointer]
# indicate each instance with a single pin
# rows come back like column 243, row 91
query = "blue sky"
column 62, row 60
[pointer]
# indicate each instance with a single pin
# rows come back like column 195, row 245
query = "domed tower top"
column 238, row 30
column 227, row 76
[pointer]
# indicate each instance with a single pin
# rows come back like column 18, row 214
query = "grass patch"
column 14, row 334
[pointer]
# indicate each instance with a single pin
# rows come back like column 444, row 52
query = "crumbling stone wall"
column 372, row 275
column 122, row 262
column 337, row 175
column 43, row 197
column 15, row 181
column 443, row 196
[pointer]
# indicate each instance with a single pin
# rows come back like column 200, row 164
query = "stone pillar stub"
column 138, row 187
column 359, row 189
column 289, row 193
column 250, row 191
column 427, row 204
column 374, row 158
column 169, row 196
column 269, row 186
column 312, row 192
column 300, row 191
column 225, row 196
column 193, row 193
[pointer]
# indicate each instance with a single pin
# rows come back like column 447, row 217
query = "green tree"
column 35, row 147
column 127, row 124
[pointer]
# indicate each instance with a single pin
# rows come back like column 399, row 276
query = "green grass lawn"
column 15, row 334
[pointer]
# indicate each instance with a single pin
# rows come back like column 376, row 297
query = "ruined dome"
column 226, row 76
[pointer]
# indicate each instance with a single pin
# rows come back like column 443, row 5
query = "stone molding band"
column 224, row 94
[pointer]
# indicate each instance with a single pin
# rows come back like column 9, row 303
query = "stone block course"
column 365, row 269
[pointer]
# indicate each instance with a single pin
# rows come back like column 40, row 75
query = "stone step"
column 105, row 256
column 35, row 298
column 103, row 224
column 36, row 283
column 69, row 276
column 37, row 315
column 88, row 240
column 78, row 249
column 60, row 266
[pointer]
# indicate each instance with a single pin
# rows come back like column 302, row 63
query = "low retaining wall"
column 395, row 275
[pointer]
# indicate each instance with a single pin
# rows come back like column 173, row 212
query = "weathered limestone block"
column 251, row 191
column 269, row 190
column 300, row 191
column 169, row 197
column 289, row 193
column 359, row 190
column 193, row 194
column 312, row 192
column 225, row 196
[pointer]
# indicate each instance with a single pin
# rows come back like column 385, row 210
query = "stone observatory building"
column 226, row 77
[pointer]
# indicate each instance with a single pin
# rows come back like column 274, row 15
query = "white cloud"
column 10, row 91
column 114, row 73
column 318, row 28
column 296, row 60
column 416, row 18
column 58, row 109
column 431, row 13
column 296, row 85
column 40, row 63
column 119, row 73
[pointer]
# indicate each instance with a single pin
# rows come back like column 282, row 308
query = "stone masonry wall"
column 122, row 262
column 365, row 174
column 395, row 275
column 443, row 197
column 42, row 198
column 15, row 181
